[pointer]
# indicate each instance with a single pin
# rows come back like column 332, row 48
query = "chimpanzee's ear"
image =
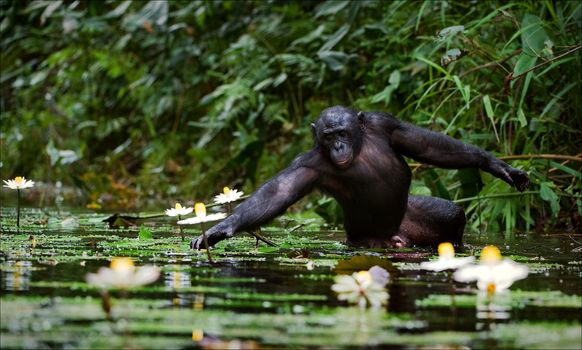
column 313, row 130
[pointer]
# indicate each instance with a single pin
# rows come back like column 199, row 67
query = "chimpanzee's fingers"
column 521, row 180
column 194, row 244
column 197, row 243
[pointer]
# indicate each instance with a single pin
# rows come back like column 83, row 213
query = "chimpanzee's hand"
column 216, row 234
column 512, row 176
column 519, row 178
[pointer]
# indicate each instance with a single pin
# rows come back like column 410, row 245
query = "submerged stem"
column 180, row 227
column 17, row 208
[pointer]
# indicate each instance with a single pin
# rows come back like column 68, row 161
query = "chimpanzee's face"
column 338, row 133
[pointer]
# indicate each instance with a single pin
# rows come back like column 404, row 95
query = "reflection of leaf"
column 364, row 262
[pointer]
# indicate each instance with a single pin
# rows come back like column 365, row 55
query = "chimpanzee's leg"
column 429, row 221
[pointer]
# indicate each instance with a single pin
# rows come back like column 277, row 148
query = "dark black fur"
column 358, row 159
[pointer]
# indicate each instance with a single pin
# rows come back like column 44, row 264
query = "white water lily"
column 123, row 274
column 201, row 217
column 178, row 210
column 492, row 274
column 198, row 220
column 18, row 183
column 446, row 259
column 363, row 288
column 228, row 195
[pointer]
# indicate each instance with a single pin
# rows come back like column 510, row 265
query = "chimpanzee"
column 358, row 159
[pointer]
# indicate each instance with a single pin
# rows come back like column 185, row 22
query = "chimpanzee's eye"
column 343, row 134
column 328, row 137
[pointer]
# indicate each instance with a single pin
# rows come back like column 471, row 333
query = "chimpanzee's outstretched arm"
column 270, row 200
column 443, row 151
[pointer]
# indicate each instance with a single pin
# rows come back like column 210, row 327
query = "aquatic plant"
column 446, row 259
column 18, row 183
column 493, row 274
column 227, row 197
column 123, row 274
column 363, row 288
column 201, row 218
column 178, row 211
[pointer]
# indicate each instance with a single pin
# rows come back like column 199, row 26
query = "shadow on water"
column 269, row 297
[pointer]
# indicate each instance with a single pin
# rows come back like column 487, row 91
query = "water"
column 270, row 297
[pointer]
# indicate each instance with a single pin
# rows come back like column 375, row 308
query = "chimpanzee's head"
column 338, row 133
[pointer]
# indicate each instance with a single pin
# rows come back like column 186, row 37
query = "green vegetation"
column 139, row 101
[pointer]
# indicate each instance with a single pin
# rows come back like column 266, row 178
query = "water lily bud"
column 122, row 264
column 446, row 250
column 200, row 210
column 490, row 254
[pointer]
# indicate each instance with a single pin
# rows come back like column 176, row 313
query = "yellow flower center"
column 197, row 335
column 122, row 264
column 19, row 180
column 178, row 206
column 490, row 254
column 200, row 210
column 446, row 250
column 226, row 190
column 364, row 276
column 491, row 288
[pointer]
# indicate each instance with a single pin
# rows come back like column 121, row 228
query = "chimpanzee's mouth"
column 343, row 163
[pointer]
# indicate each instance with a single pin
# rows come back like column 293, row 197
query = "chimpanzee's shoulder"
column 381, row 121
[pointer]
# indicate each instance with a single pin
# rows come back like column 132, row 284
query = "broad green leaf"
column 521, row 117
column 335, row 60
column 461, row 89
column 335, row 38
column 548, row 195
column 533, row 37
column 280, row 79
column 488, row 107
column 566, row 169
column 119, row 10
column 145, row 233
column 330, row 8
column 394, row 77
column 432, row 64
column 314, row 35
